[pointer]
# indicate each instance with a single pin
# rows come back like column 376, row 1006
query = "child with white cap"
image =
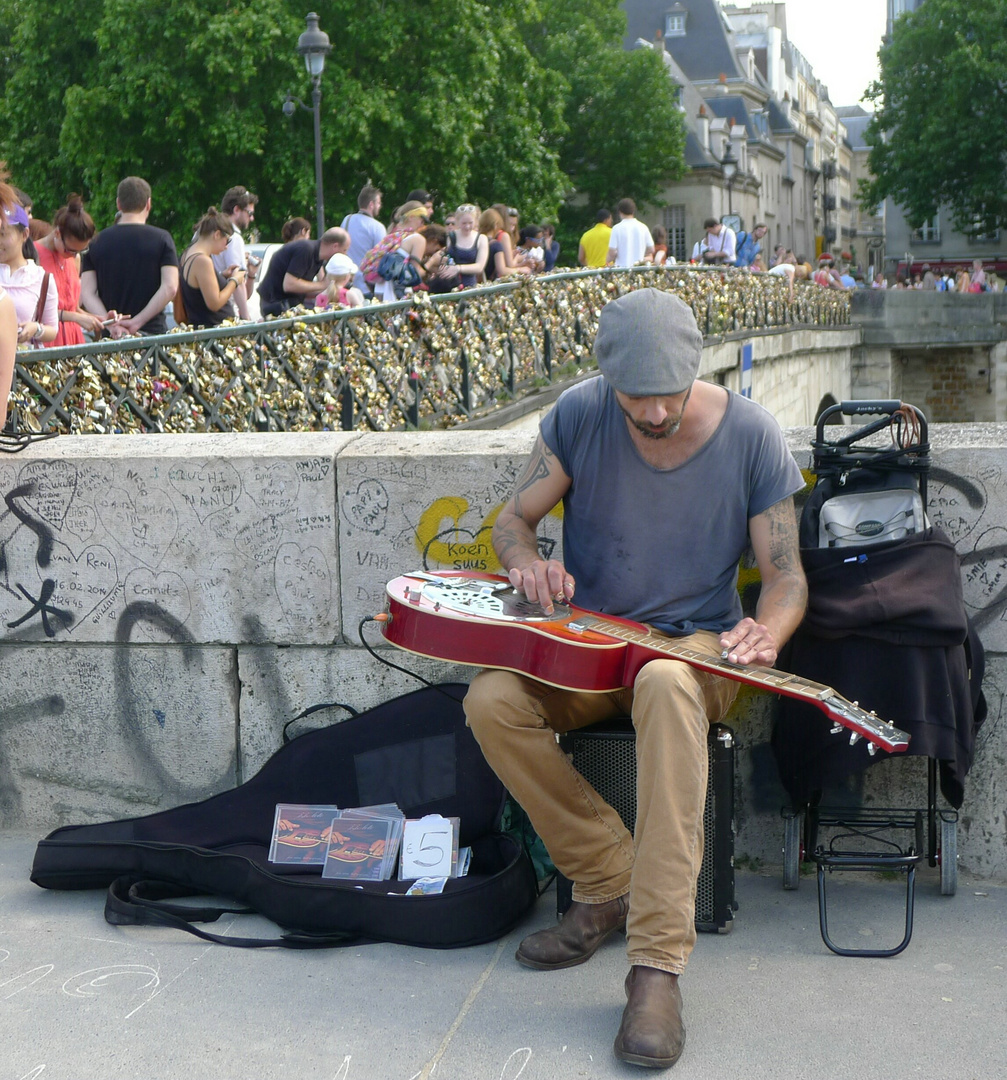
column 339, row 270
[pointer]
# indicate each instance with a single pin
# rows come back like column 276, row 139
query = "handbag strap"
column 137, row 902
column 40, row 306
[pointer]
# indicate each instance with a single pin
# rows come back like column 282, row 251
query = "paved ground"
column 83, row 1000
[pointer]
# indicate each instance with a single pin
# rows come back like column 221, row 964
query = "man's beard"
column 665, row 430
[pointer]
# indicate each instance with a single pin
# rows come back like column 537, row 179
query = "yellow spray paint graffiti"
column 442, row 540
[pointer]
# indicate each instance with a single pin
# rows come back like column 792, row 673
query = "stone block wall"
column 169, row 603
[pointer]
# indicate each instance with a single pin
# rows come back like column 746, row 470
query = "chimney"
column 723, row 83
column 659, row 41
column 703, row 125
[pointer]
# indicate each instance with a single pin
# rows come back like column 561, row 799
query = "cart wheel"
column 792, row 830
column 948, row 857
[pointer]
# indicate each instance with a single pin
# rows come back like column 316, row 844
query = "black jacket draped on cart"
column 886, row 626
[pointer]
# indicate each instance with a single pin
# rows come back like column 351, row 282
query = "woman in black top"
column 205, row 291
column 468, row 249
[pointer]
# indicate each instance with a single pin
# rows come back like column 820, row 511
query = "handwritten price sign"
column 429, row 847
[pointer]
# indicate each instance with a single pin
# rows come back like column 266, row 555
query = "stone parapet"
column 170, row 603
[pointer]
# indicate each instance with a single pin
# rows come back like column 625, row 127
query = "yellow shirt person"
column 593, row 250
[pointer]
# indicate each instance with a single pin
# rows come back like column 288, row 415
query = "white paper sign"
column 427, row 847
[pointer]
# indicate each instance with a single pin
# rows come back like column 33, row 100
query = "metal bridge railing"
column 421, row 362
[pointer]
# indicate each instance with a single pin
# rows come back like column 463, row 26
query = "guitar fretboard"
column 770, row 678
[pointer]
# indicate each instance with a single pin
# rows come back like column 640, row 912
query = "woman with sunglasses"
column 59, row 254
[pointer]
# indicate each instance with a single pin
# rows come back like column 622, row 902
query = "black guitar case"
column 415, row 751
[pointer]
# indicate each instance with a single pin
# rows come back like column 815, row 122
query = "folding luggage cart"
column 866, row 494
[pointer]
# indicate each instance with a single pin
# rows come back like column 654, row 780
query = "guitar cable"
column 405, row 671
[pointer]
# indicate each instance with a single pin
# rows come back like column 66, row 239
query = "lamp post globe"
column 729, row 165
column 314, row 46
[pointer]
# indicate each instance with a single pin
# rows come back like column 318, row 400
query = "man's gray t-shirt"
column 662, row 546
column 365, row 232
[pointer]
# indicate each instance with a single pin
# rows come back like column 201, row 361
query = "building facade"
column 763, row 141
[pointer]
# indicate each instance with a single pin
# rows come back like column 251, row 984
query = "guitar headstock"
column 864, row 724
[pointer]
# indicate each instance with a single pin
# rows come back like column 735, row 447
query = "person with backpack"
column 408, row 219
column 748, row 246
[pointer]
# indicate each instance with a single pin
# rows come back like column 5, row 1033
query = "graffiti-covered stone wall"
column 168, row 603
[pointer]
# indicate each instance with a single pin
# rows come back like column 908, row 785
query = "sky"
column 840, row 39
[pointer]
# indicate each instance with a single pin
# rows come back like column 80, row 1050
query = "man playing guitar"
column 664, row 479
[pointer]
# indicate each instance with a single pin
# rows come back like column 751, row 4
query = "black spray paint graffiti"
column 985, row 566
column 129, row 697
column 52, row 618
column 10, row 718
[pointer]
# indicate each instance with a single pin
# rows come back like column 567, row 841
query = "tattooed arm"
column 542, row 485
column 784, row 593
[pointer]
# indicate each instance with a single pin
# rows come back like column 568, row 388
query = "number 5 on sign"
column 429, row 847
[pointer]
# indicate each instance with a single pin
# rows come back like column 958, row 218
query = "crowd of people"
column 945, row 279
column 70, row 283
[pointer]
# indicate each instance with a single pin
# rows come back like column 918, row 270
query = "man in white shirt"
column 238, row 204
column 364, row 229
column 718, row 246
column 630, row 242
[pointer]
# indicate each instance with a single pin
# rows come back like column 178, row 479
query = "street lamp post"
column 314, row 46
column 729, row 164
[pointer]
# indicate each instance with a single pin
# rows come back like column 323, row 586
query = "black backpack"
column 414, row 750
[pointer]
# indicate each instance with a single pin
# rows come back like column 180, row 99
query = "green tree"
column 523, row 101
column 623, row 135
column 938, row 137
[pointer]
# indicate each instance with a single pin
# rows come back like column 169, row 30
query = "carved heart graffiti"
column 81, row 520
column 273, row 487
column 165, row 589
column 303, row 584
column 54, row 484
column 208, row 488
column 366, row 506
column 82, row 581
column 257, row 540
column 144, row 525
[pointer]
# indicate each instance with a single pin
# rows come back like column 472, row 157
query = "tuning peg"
column 872, row 749
column 836, row 729
column 855, row 737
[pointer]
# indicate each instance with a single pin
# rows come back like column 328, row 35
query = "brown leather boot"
column 652, row 1032
column 576, row 938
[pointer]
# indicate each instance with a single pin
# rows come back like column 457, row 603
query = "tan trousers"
column 515, row 720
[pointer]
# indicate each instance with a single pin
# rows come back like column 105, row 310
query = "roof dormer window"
column 674, row 21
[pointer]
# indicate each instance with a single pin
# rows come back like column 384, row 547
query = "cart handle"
column 867, row 408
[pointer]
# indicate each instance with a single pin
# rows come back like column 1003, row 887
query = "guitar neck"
column 777, row 682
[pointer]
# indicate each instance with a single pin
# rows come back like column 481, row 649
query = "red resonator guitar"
column 474, row 618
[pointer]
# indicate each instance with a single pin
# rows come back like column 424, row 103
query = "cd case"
column 363, row 843
column 300, row 834
column 359, row 843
